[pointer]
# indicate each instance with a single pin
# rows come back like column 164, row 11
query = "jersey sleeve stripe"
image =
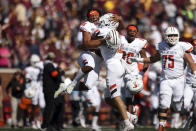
column 189, row 50
column 82, row 30
column 145, row 45
column 111, row 87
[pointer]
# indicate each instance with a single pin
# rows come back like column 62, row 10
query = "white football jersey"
column 172, row 59
column 190, row 77
column 88, row 27
column 132, row 50
column 32, row 73
column 40, row 65
column 107, row 52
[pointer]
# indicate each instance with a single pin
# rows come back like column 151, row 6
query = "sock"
column 78, row 76
column 126, row 122
column 162, row 123
column 94, row 120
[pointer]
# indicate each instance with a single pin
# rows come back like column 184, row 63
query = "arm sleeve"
column 84, row 27
column 187, row 47
column 144, row 43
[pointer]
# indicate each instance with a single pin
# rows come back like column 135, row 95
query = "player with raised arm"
column 115, row 71
column 172, row 53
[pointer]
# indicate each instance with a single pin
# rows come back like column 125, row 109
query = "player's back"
column 107, row 52
column 32, row 73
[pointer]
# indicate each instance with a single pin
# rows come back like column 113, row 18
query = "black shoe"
column 13, row 126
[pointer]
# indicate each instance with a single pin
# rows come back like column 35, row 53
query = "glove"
column 135, row 59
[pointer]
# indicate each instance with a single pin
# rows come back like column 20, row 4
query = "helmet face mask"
column 105, row 21
column 172, row 35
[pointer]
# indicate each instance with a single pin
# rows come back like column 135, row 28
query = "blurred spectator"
column 23, row 52
column 171, row 10
column 36, row 3
column 1, row 101
column 5, row 54
column 15, row 90
column 38, row 32
column 34, row 47
column 20, row 11
column 155, row 35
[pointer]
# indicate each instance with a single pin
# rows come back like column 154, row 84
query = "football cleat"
column 96, row 128
column 129, row 127
column 132, row 118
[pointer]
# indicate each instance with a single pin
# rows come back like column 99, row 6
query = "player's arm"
column 143, row 55
column 152, row 59
column 89, row 43
column 189, row 59
column 119, row 19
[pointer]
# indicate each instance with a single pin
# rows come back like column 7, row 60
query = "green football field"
column 88, row 129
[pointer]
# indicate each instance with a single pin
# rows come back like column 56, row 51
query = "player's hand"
column 116, row 18
column 135, row 59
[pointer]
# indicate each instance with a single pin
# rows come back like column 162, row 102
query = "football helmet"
column 34, row 59
column 135, row 84
column 105, row 21
column 113, row 40
column 172, row 35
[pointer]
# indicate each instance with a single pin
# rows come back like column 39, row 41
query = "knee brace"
column 163, row 114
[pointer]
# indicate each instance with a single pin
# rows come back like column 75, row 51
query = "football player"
column 132, row 47
column 90, row 59
column 172, row 53
column 190, row 88
column 109, row 24
column 32, row 74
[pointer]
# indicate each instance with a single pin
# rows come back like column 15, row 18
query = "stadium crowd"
column 40, row 27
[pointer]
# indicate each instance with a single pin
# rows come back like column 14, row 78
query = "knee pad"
column 177, row 106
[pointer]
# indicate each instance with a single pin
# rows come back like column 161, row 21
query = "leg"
column 114, row 79
column 163, row 113
column 49, row 110
column 14, row 105
column 165, row 102
column 90, row 64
